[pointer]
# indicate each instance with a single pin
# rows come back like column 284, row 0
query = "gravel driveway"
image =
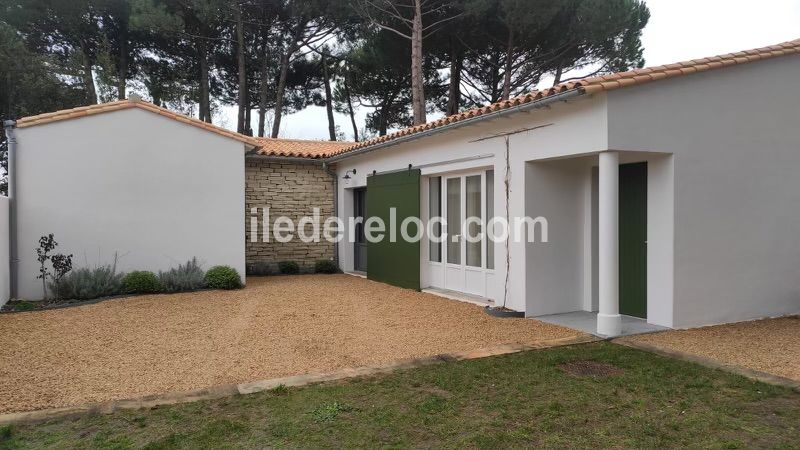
column 277, row 326
column 769, row 345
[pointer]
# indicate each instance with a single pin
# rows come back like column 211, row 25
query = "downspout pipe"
column 335, row 177
column 10, row 129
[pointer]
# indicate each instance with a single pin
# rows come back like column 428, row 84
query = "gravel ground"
column 277, row 326
column 769, row 345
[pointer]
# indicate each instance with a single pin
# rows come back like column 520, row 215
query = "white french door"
column 463, row 253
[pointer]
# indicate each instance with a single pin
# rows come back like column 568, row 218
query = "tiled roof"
column 297, row 148
column 598, row 84
column 134, row 102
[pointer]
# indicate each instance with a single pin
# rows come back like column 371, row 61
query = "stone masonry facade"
column 292, row 190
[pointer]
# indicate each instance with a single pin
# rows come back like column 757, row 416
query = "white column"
column 609, row 322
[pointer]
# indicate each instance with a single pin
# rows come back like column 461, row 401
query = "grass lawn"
column 518, row 400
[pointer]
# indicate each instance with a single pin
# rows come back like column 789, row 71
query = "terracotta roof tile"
column 84, row 111
column 298, row 148
column 598, row 84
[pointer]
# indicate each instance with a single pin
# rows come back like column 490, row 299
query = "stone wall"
column 292, row 190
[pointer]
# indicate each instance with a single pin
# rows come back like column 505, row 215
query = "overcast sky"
column 678, row 30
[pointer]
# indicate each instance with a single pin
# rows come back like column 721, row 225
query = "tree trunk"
column 122, row 63
column 328, row 99
column 350, row 108
column 248, row 129
column 417, row 79
column 383, row 121
column 558, row 75
column 454, row 94
column 88, row 77
column 276, row 120
column 286, row 59
column 497, row 89
column 240, row 59
column 205, row 100
column 508, row 67
column 263, row 88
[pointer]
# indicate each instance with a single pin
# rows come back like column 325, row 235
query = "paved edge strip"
column 746, row 372
column 229, row 390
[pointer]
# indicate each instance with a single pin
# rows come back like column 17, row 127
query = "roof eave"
column 285, row 159
column 542, row 102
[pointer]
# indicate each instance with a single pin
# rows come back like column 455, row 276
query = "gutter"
column 285, row 159
column 13, row 253
column 564, row 96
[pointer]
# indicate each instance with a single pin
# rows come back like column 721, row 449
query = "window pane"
column 435, row 210
column 474, row 212
column 454, row 220
column 489, row 216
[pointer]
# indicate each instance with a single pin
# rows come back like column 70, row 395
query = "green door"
column 633, row 239
column 395, row 263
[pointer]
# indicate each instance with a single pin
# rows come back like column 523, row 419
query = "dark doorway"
column 633, row 239
column 360, row 245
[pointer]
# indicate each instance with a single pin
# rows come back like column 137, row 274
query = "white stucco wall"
column 5, row 281
column 574, row 128
column 148, row 188
column 555, row 271
column 735, row 136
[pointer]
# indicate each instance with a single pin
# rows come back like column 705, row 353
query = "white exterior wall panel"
column 735, row 137
column 150, row 189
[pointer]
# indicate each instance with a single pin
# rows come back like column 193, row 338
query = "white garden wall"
column 150, row 189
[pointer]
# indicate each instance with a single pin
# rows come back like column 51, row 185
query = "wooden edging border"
column 712, row 363
column 230, row 390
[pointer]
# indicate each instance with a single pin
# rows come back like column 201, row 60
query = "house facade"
column 668, row 194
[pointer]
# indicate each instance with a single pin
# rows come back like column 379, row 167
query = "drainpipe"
column 335, row 177
column 10, row 126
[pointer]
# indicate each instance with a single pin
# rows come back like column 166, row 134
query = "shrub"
column 223, row 277
column 140, row 282
column 86, row 283
column 325, row 266
column 185, row 277
column 288, row 267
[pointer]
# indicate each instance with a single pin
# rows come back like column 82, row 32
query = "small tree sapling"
column 46, row 245
column 62, row 264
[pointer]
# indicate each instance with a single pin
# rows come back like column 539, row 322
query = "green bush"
column 185, row 277
column 325, row 266
column 88, row 283
column 140, row 282
column 223, row 277
column 288, row 267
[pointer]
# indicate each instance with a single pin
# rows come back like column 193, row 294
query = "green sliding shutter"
column 395, row 263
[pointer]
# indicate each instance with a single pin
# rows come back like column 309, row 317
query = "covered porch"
column 608, row 259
